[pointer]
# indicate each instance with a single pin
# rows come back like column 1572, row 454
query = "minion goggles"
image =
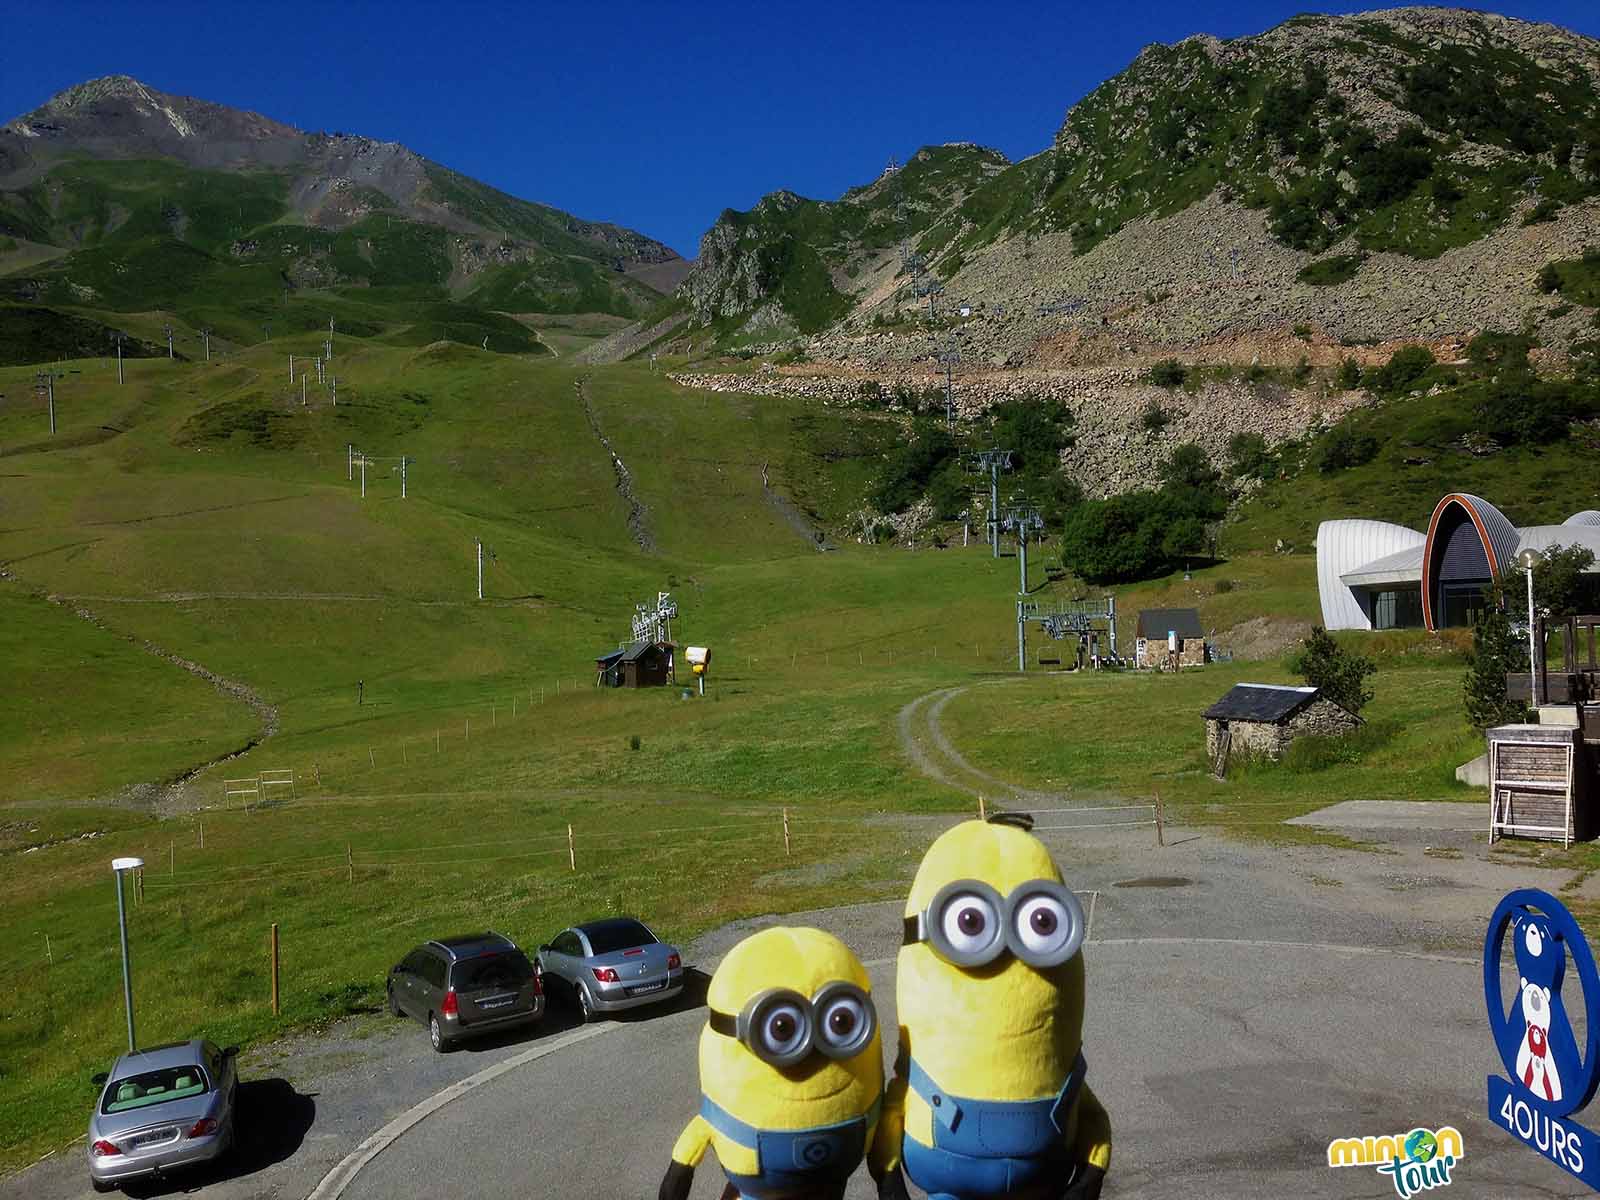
column 783, row 1028
column 969, row 924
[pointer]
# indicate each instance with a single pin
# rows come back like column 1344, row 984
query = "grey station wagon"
column 606, row 966
column 161, row 1109
column 474, row 983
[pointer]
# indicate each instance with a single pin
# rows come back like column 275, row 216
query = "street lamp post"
column 122, row 866
column 1527, row 560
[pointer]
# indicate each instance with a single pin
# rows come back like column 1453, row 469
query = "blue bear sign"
column 1550, row 1077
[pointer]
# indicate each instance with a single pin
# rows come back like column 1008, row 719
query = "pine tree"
column 1340, row 674
column 1494, row 655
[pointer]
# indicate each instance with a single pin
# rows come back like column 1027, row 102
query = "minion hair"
column 1018, row 820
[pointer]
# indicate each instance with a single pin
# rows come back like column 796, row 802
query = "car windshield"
column 154, row 1087
column 618, row 935
column 511, row 969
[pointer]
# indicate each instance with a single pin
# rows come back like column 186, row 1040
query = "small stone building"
column 1261, row 719
column 1168, row 639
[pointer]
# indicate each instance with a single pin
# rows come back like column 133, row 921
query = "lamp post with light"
column 122, row 866
column 1527, row 560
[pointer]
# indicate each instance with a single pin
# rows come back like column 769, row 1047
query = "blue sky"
column 657, row 116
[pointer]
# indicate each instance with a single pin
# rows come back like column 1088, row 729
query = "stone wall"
column 1152, row 654
column 1321, row 718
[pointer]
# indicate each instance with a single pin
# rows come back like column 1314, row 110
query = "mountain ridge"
column 523, row 256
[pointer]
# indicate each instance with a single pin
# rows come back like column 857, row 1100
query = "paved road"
column 1247, row 1005
column 1229, row 1045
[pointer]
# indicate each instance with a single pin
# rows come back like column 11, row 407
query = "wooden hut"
column 641, row 664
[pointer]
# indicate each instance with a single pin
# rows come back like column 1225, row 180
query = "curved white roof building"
column 1361, row 548
column 1374, row 575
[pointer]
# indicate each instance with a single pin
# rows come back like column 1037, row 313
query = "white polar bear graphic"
column 1535, row 1065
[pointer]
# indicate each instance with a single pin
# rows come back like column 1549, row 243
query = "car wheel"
column 394, row 1004
column 436, row 1034
column 586, row 1013
column 100, row 1185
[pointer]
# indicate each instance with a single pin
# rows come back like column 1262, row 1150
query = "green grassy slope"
column 202, row 508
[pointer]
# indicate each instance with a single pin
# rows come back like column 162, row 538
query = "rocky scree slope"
column 76, row 173
column 1183, row 200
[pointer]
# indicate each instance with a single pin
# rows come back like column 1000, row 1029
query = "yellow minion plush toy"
column 989, row 1097
column 791, row 1070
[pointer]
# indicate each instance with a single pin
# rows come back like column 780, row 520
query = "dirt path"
column 168, row 794
column 931, row 751
column 638, row 514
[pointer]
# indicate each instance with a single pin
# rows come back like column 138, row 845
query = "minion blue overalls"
column 990, row 1147
column 795, row 1163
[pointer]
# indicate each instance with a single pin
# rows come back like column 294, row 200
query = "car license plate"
column 649, row 987
column 498, row 1002
column 151, row 1137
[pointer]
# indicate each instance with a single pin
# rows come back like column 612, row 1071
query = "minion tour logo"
column 1414, row 1162
column 1548, row 1077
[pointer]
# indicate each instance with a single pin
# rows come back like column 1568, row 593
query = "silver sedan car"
column 606, row 966
column 162, row 1108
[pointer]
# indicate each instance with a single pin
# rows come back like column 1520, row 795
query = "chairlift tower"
column 994, row 461
column 205, row 334
column 119, row 338
column 1023, row 521
column 653, row 622
column 167, row 329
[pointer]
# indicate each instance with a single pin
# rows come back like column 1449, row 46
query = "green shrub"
column 634, row 743
column 1543, row 211
column 1341, row 674
column 1342, row 448
column 1328, row 272
column 1154, row 418
column 1405, row 366
column 1248, row 456
column 1168, row 373
column 1222, row 587
column 1349, row 376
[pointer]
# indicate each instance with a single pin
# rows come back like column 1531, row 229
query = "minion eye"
column 1047, row 926
column 970, row 922
column 784, row 1031
column 846, row 1020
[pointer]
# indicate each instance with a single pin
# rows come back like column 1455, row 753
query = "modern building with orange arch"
column 1377, row 575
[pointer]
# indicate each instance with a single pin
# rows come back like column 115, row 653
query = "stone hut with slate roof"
column 1168, row 639
column 1261, row 719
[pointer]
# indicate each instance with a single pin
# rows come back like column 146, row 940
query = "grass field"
column 200, row 509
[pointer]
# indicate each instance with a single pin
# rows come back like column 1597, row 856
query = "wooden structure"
column 640, row 664
column 1168, row 639
column 1576, row 681
column 1539, row 783
column 1262, row 719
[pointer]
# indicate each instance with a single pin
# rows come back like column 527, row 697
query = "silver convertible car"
column 162, row 1108
column 606, row 966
